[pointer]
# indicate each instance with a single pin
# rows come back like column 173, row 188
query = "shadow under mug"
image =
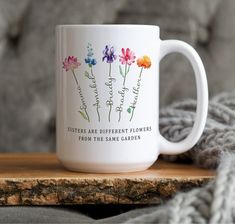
column 108, row 97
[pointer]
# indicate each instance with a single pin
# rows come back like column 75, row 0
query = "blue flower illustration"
column 89, row 59
column 109, row 55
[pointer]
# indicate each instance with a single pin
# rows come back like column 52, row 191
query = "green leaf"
column 83, row 115
column 129, row 110
column 120, row 70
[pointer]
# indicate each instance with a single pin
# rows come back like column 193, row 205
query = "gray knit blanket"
column 218, row 137
column 215, row 202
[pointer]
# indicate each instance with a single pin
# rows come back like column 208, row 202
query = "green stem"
column 110, row 109
column 97, row 109
column 132, row 113
column 141, row 72
column 97, row 106
column 83, row 102
column 133, row 110
column 110, row 106
column 75, row 77
column 124, row 81
column 88, row 119
column 123, row 84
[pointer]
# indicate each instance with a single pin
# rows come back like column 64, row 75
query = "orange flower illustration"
column 144, row 62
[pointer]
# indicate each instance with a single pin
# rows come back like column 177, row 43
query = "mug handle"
column 169, row 46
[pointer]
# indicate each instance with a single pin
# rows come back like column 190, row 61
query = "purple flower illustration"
column 109, row 55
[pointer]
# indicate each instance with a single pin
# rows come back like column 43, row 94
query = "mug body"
column 107, row 97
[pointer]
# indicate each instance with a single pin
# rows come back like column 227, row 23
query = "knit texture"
column 218, row 137
column 214, row 203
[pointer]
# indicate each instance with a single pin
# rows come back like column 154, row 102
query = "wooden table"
column 39, row 179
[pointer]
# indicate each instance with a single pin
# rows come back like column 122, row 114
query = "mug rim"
column 107, row 26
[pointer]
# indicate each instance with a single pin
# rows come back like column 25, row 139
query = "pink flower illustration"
column 71, row 63
column 127, row 57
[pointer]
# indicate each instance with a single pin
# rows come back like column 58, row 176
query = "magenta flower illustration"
column 109, row 57
column 70, row 64
column 127, row 58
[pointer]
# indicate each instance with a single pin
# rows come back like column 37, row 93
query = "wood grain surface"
column 39, row 179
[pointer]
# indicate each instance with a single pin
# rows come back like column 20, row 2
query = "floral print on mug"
column 127, row 59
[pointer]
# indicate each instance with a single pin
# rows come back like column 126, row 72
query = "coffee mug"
column 108, row 97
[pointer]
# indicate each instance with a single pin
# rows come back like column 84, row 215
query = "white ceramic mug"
column 108, row 97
